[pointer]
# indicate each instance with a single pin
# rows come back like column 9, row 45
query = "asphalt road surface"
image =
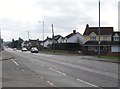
column 25, row 69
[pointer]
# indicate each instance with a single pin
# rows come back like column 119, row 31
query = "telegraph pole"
column 43, row 31
column 53, row 45
column 28, row 35
column 99, row 42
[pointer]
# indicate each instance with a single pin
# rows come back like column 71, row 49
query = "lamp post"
column 99, row 42
column 43, row 31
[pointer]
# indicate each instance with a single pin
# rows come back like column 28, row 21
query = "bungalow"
column 47, row 42
column 91, row 39
column 56, row 39
column 74, row 37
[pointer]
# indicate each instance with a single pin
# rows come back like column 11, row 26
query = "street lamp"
column 99, row 42
column 43, row 31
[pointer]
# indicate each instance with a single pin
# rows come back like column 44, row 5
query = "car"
column 14, row 49
column 24, row 49
column 34, row 50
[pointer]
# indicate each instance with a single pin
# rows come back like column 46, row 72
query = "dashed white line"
column 15, row 62
column 22, row 70
column 41, row 77
column 87, row 83
column 42, row 65
column 50, row 83
column 57, row 71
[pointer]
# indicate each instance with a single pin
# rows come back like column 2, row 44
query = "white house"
column 74, row 37
column 115, row 44
column 47, row 42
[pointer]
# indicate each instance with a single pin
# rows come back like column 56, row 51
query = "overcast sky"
column 19, row 16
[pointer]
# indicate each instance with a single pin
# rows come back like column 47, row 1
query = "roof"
column 103, row 30
column 57, row 37
column 47, row 39
column 72, row 34
column 117, row 32
column 96, row 43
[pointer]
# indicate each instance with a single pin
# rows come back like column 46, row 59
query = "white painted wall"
column 115, row 49
column 74, row 38
column 47, row 42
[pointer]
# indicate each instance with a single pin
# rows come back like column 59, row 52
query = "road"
column 27, row 69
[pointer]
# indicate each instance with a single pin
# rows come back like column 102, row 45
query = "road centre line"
column 42, row 65
column 87, row 83
column 14, row 62
column 41, row 77
column 50, row 83
column 57, row 71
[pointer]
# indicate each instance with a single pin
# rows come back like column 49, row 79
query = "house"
column 57, row 39
column 115, row 44
column 91, row 39
column 31, row 43
column 48, row 41
column 25, row 44
column 74, row 37
column 1, row 44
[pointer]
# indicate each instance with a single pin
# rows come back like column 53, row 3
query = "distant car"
column 34, row 50
column 14, row 49
column 24, row 49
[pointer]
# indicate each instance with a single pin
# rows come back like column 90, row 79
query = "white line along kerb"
column 15, row 62
column 87, row 83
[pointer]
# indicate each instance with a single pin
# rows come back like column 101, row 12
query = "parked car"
column 24, row 49
column 34, row 50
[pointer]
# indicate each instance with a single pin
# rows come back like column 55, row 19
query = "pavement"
column 100, row 59
column 7, row 56
column 85, row 57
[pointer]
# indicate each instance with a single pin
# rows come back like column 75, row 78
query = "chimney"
column 47, row 37
column 87, row 25
column 74, row 31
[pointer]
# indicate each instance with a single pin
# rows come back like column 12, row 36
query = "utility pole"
column 43, row 32
column 53, row 45
column 43, row 35
column 99, row 42
column 28, row 35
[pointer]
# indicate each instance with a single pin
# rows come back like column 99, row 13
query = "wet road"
column 26, row 69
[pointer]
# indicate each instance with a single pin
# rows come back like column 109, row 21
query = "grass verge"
column 111, row 57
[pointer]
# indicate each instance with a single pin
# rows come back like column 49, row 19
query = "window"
column 116, row 38
column 93, row 38
column 105, row 38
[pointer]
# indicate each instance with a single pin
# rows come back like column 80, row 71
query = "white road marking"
column 15, row 62
column 50, row 83
column 57, row 71
column 87, row 83
column 41, row 77
column 22, row 70
column 42, row 65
